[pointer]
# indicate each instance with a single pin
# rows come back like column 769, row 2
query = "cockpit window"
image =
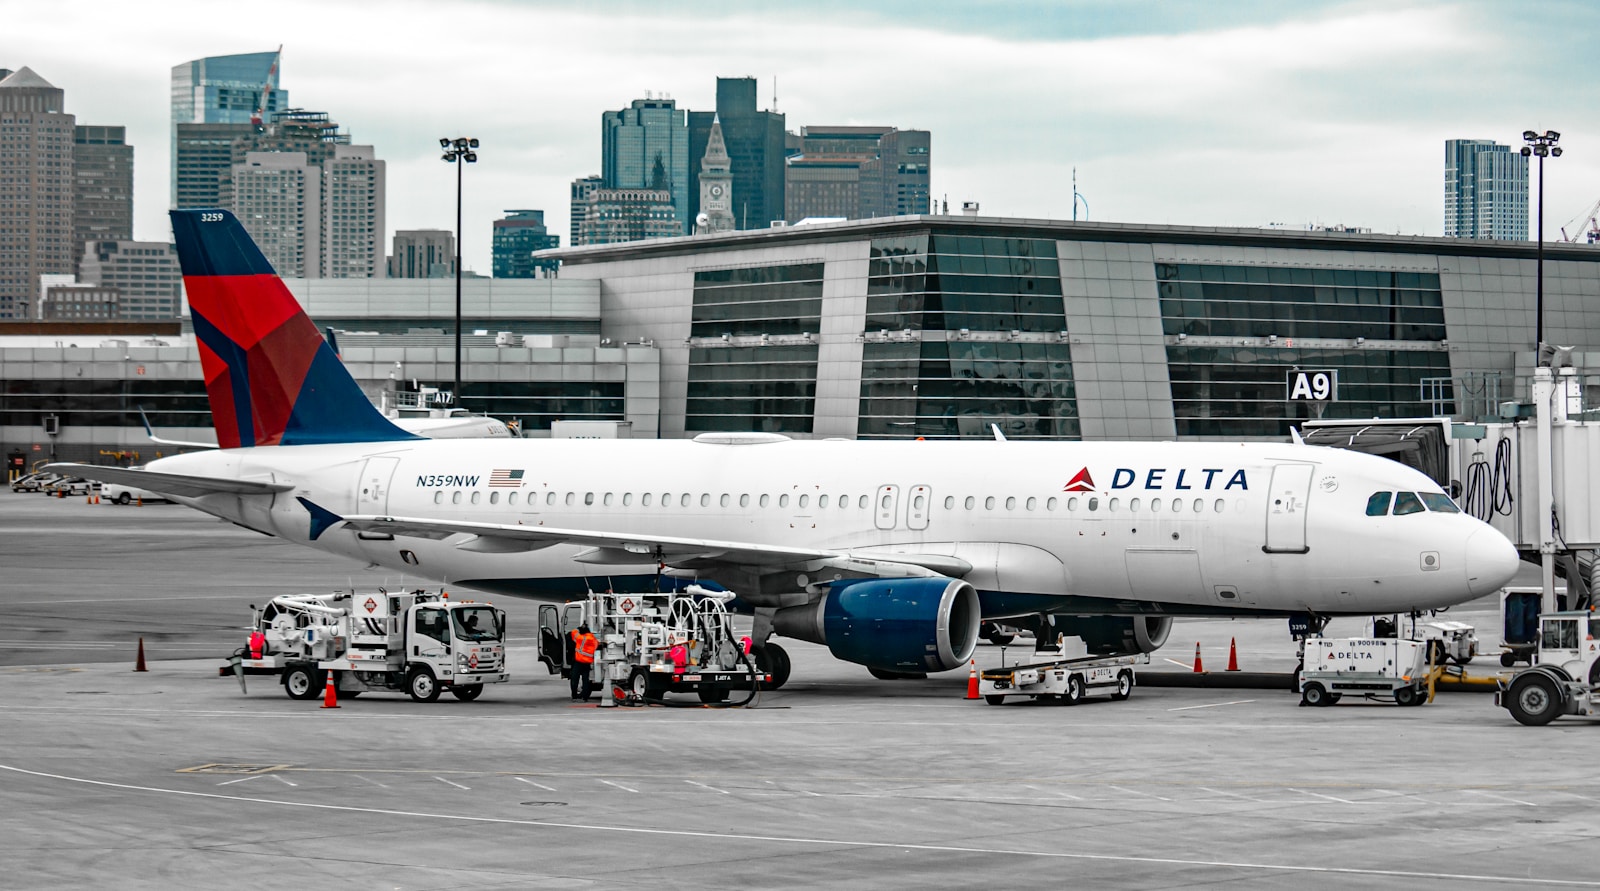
column 1407, row 503
column 1438, row 501
column 1378, row 504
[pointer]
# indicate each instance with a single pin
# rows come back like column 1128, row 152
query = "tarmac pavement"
column 175, row 779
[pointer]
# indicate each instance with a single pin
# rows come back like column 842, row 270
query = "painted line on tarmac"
column 532, row 783
column 129, row 599
column 1234, row 795
column 827, row 842
column 1500, row 797
column 457, row 785
column 704, row 786
column 1320, row 795
column 1210, row 705
column 620, row 786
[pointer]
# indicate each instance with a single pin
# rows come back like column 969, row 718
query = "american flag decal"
column 506, row 479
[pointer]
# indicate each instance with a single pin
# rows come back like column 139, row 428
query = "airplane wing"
column 616, row 547
column 168, row 483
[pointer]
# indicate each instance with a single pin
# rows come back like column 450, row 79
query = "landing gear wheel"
column 467, row 692
column 1075, row 691
column 1534, row 700
column 713, row 695
column 995, row 700
column 1124, row 685
column 1508, row 659
column 774, row 660
column 303, row 682
column 1407, row 696
column 884, row 674
column 1314, row 695
column 422, row 685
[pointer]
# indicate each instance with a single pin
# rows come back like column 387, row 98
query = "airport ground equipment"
column 1064, row 675
column 1446, row 640
column 1364, row 666
column 655, row 644
column 1565, row 676
column 420, row 642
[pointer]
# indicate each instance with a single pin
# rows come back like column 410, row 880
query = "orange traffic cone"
column 141, row 502
column 138, row 665
column 972, row 679
column 1198, row 668
column 1233, row 654
column 330, row 696
column 88, row 498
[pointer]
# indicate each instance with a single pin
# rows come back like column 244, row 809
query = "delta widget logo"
column 1080, row 482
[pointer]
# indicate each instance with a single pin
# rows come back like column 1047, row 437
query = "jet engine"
column 1116, row 635
column 904, row 625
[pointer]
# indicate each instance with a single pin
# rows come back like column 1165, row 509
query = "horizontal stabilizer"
column 179, row 485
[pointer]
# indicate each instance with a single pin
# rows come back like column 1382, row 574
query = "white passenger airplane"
column 889, row 553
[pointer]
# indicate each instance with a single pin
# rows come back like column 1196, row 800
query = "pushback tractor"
column 1062, row 675
column 1565, row 676
column 419, row 642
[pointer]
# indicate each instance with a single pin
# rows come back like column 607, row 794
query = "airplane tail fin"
column 270, row 377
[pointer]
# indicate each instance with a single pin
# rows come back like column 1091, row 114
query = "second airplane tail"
column 270, row 377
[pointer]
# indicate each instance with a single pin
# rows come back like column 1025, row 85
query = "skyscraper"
column 354, row 185
column 144, row 275
column 755, row 141
column 423, row 253
column 1485, row 190
column 858, row 172
column 102, row 198
column 582, row 189
column 646, row 146
column 516, row 237
column 203, row 162
column 614, row 215
column 36, row 186
column 278, row 198
column 222, row 90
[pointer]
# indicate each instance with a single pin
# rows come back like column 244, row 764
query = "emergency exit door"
column 372, row 491
column 886, row 505
column 1286, row 508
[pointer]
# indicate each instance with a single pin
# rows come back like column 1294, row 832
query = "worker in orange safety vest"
column 583, row 646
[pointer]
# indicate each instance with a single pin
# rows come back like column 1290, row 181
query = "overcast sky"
column 1198, row 113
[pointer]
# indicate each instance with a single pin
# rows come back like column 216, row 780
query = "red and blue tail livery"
column 270, row 376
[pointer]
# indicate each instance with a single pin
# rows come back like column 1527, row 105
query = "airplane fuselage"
column 1175, row 528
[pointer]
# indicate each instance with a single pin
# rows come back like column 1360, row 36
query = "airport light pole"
column 1541, row 145
column 458, row 151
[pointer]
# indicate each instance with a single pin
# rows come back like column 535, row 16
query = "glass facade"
column 948, row 282
column 534, row 405
column 768, row 389
column 958, row 388
column 949, row 286
column 762, row 300
column 1239, row 390
column 87, row 402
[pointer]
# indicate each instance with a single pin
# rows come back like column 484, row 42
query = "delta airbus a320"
column 891, row 554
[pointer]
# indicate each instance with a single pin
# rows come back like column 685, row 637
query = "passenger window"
column 607, row 500
column 844, row 501
column 723, row 501
column 1011, row 503
column 1199, row 505
column 438, row 497
column 1072, row 504
column 783, row 500
column 949, row 502
column 683, row 500
column 644, row 500
column 744, row 500
column 1218, row 506
column 884, row 503
column 494, row 497
column 1155, row 505
column 512, row 498
column 705, row 499
column 988, row 503
column 970, row 502
column 1407, row 503
column 627, row 499
column 1050, row 504
column 822, row 501
column 765, row 499
column 455, row 497
column 1378, row 504
column 862, row 502
column 1177, row 505
column 432, row 623
column 588, row 499
column 1438, row 501
column 805, row 500
column 1112, row 505
column 476, row 497
column 570, row 499
column 1133, row 505
column 1032, row 502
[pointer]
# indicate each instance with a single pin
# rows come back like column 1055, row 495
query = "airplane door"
column 372, row 490
column 918, row 506
column 887, row 506
column 1286, row 509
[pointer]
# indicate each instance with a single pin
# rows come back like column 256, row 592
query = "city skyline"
column 1185, row 113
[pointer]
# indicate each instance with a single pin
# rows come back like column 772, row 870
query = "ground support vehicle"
column 34, row 482
column 120, row 493
column 73, row 486
column 420, row 642
column 1370, row 667
column 1565, row 676
column 1447, row 640
column 655, row 644
column 1064, row 675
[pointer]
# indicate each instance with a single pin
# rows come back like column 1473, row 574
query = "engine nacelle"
column 909, row 625
column 1116, row 635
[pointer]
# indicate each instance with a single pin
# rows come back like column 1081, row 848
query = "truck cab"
column 1565, row 676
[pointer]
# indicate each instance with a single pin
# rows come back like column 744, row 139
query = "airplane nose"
column 1491, row 561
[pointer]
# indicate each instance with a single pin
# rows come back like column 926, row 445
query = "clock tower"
column 716, row 186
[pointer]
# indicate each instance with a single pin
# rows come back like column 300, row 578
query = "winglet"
column 322, row 519
column 1295, row 433
column 998, row 436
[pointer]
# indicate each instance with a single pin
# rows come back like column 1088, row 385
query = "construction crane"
column 1591, row 226
column 266, row 91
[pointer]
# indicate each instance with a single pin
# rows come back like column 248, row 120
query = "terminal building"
column 931, row 326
